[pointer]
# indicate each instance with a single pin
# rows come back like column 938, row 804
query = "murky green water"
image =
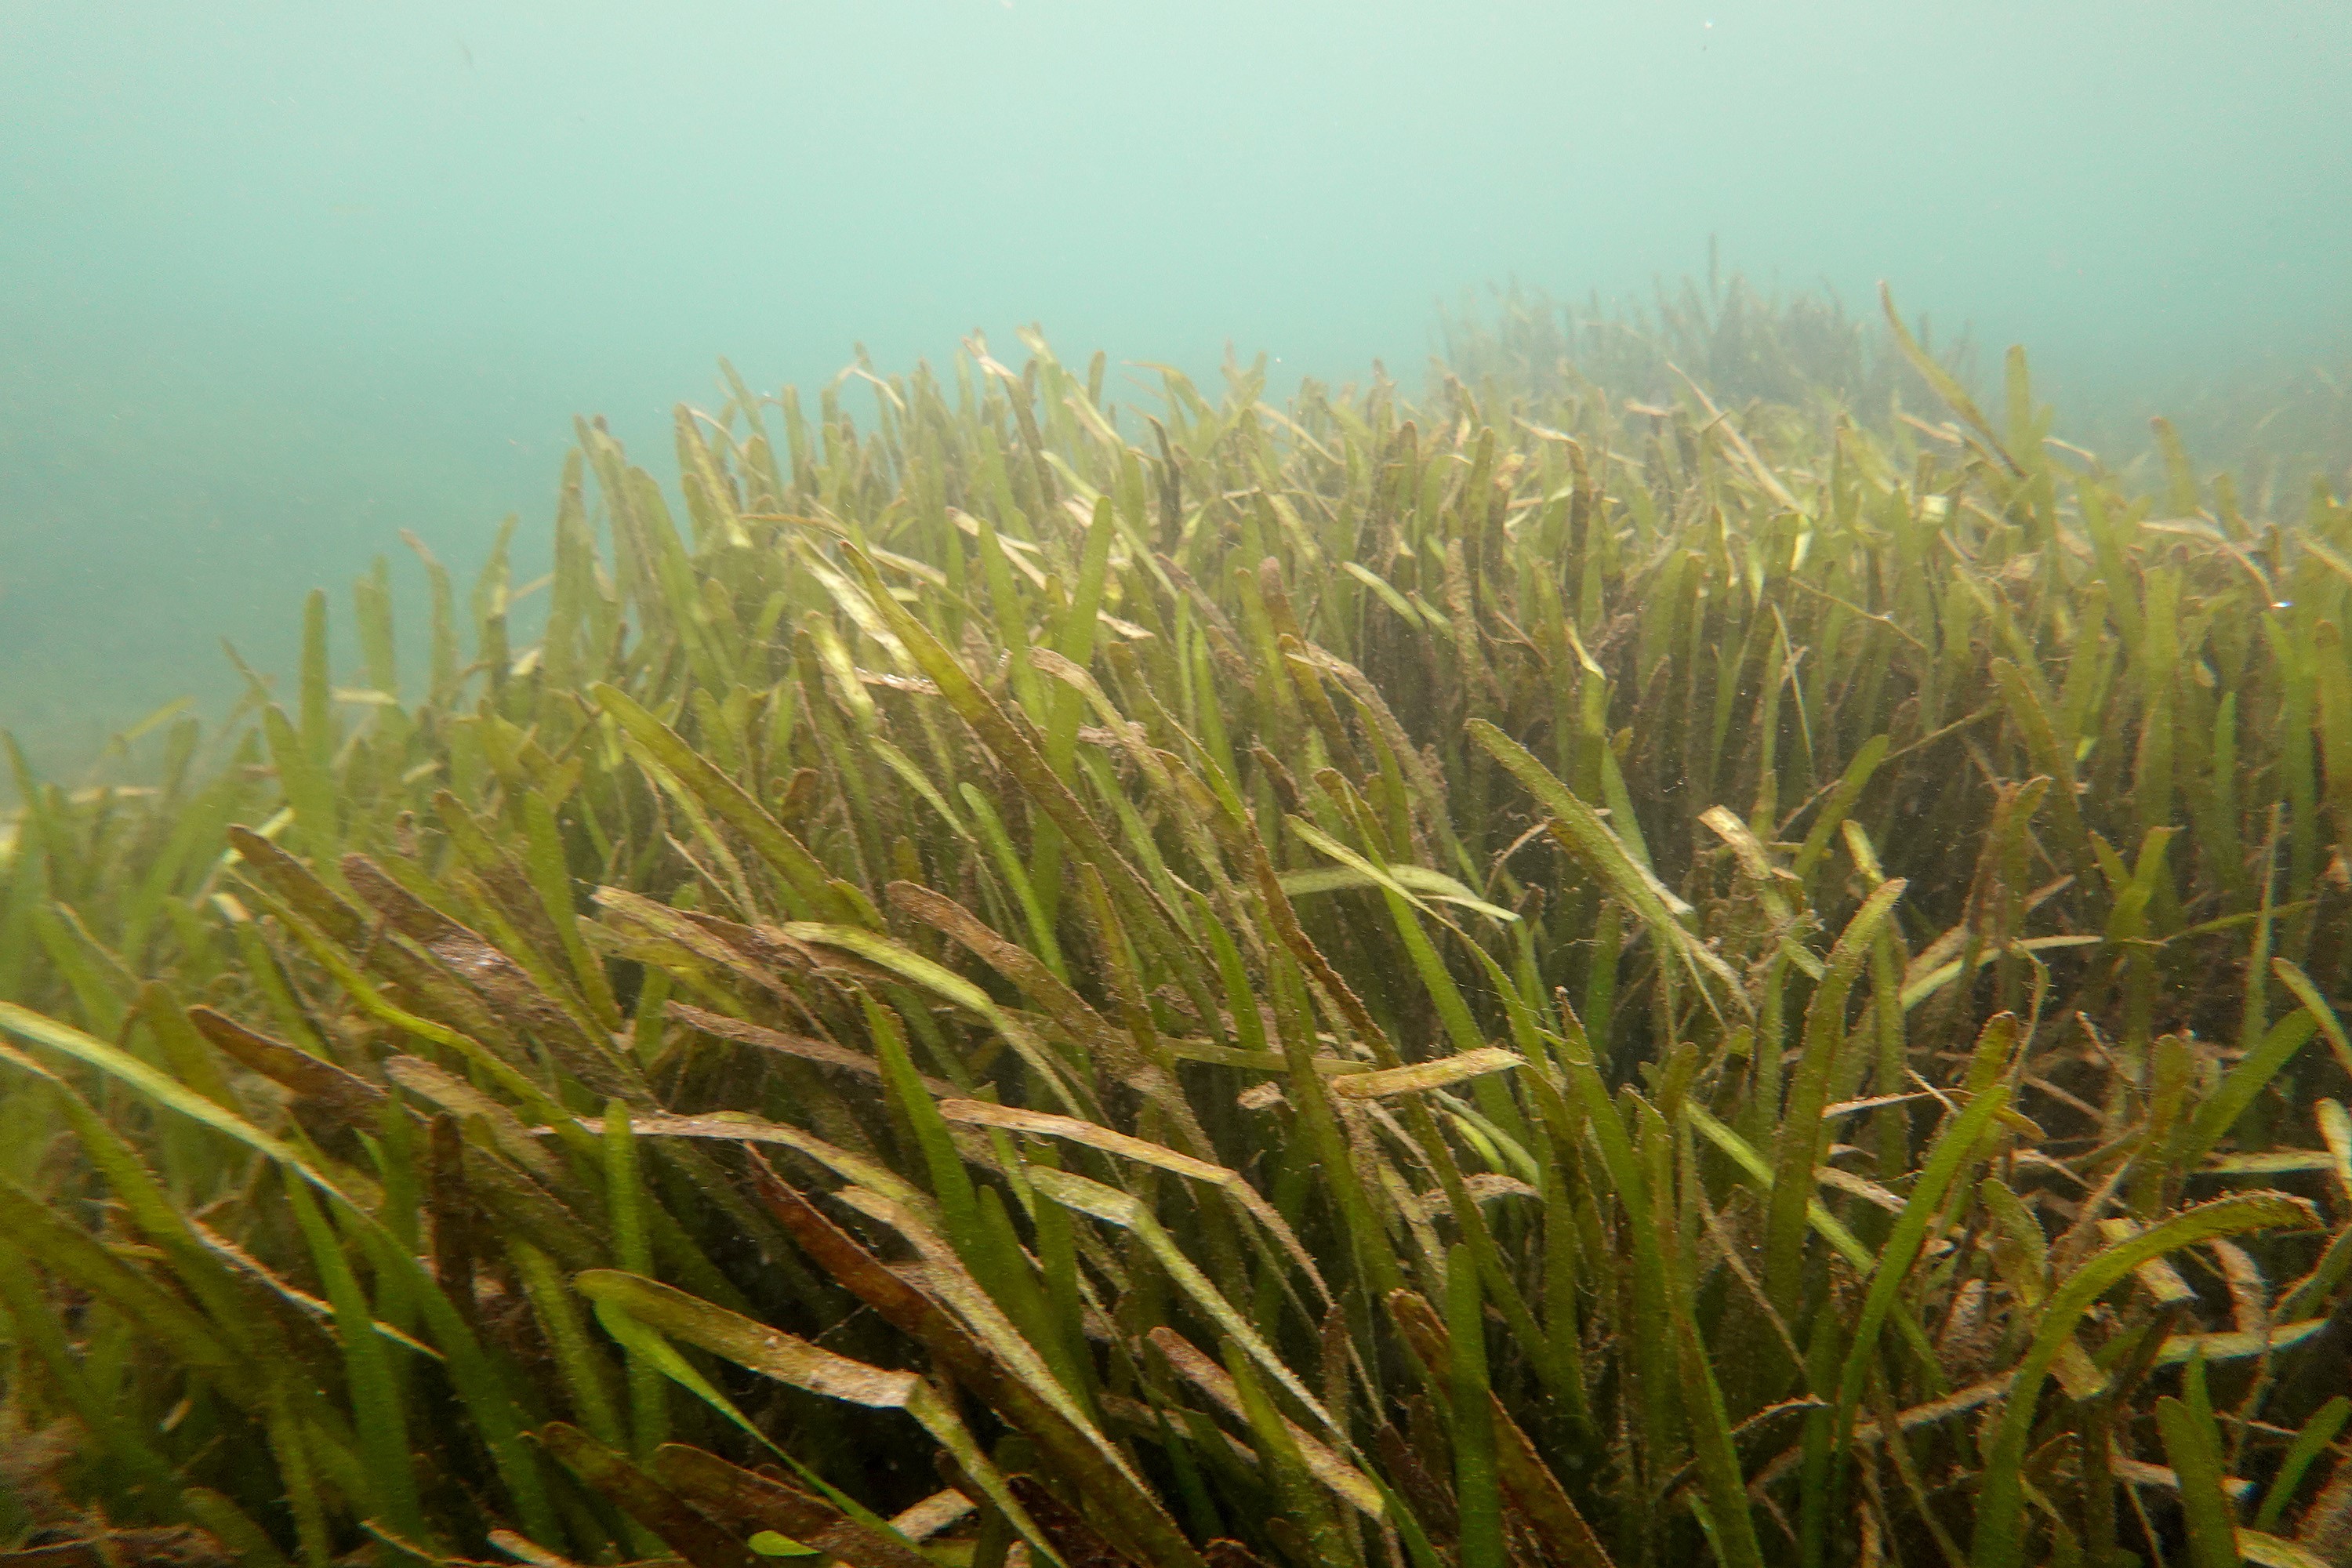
column 279, row 281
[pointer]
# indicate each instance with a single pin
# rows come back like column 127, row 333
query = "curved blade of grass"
column 981, row 1352
column 1947, row 386
column 941, row 980
column 378, row 1412
column 751, row 1500
column 1529, row 1482
column 1329, row 1536
column 776, row 1354
column 41, row 1231
column 2195, row 1450
column 1415, row 879
column 1019, row 754
column 2219, row 1111
column 2000, row 1537
column 2309, row 1443
column 1091, row 1197
column 2297, row 982
column 1955, row 1144
column 806, row 878
column 41, row 1333
column 740, row 1127
column 1215, row 1381
column 477, row 1382
column 1477, row 1491
column 1406, row 881
column 585, row 1374
column 1800, row 1130
column 1014, row 1119
column 695, row 1539
column 347, row 1096
column 1832, row 816
column 1627, row 877
column 1415, row 1077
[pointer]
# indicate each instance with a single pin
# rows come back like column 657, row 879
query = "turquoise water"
column 279, row 280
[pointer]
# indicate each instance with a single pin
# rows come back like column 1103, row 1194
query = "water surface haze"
column 278, row 280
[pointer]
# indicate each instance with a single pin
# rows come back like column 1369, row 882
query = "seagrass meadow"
column 1603, row 968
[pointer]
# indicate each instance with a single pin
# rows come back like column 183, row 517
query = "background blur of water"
column 279, row 279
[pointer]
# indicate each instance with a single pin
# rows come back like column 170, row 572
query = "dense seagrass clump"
column 1567, row 977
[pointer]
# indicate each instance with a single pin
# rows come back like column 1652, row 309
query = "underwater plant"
column 1568, row 975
